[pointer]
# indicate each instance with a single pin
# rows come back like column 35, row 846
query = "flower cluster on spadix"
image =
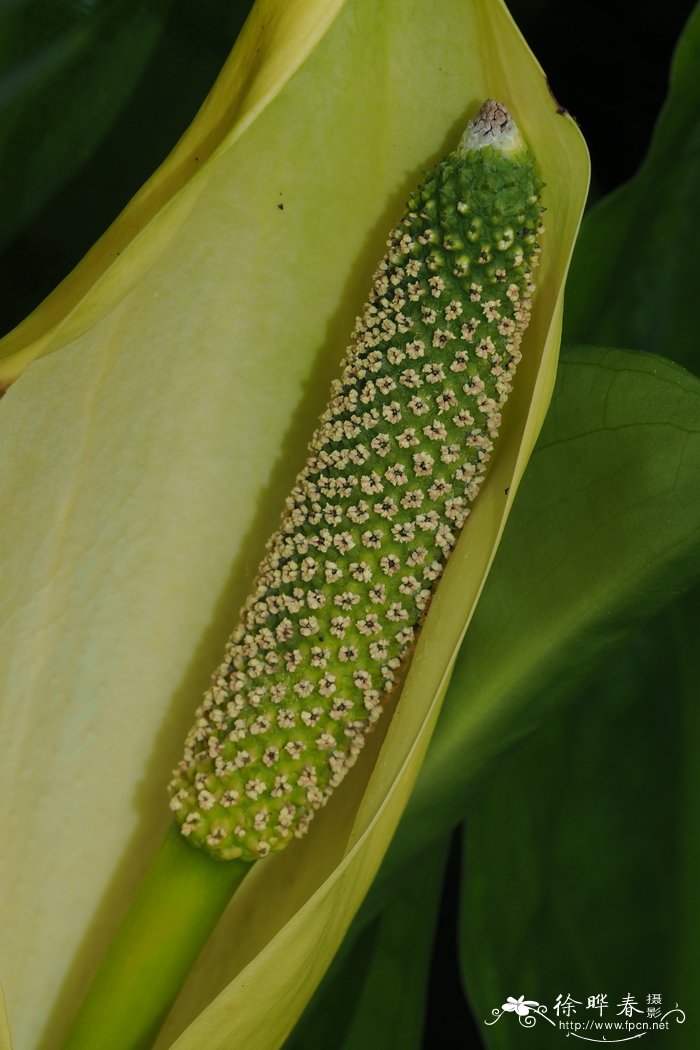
column 398, row 457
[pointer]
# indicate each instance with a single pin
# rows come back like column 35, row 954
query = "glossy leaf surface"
column 588, row 871
column 634, row 272
column 92, row 98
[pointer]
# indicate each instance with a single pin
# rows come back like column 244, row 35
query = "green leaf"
column 590, row 886
column 160, row 415
column 634, row 273
column 47, row 128
column 605, row 531
column 92, row 98
column 374, row 994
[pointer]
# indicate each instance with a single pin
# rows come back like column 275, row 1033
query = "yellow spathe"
column 148, row 448
column 5, row 1038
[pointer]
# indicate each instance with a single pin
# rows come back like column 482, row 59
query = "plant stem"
column 178, row 904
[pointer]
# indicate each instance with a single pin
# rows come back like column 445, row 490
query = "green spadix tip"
column 492, row 126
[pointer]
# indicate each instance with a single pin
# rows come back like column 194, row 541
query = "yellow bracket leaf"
column 5, row 1037
column 174, row 382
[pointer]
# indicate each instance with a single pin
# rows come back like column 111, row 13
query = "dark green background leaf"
column 92, row 99
column 582, row 853
column 633, row 280
column 68, row 70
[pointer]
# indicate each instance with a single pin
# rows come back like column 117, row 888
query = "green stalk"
column 178, row 905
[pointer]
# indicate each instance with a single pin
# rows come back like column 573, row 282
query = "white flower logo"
column 519, row 1006
column 528, row 1011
